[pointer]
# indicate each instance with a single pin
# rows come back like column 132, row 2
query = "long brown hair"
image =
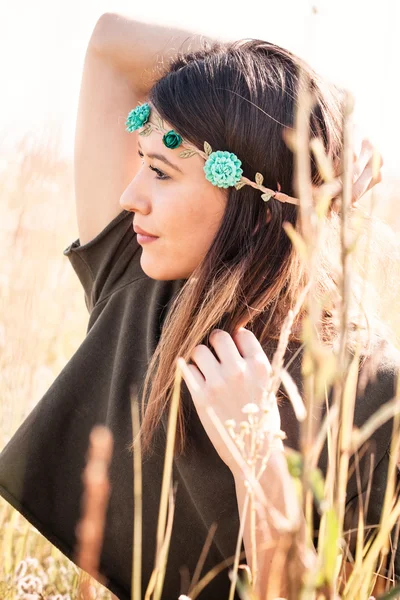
column 239, row 97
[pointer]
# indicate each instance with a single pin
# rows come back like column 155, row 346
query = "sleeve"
column 109, row 261
column 376, row 451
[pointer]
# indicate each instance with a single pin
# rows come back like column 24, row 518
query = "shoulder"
column 376, row 386
column 378, row 373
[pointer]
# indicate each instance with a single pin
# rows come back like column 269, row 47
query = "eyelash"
column 161, row 176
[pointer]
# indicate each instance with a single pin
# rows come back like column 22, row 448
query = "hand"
column 366, row 173
column 226, row 385
column 364, row 177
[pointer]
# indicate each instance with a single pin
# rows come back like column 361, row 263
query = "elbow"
column 102, row 31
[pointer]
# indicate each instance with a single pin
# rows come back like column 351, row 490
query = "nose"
column 135, row 198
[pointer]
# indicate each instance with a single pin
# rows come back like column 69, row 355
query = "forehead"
column 153, row 141
column 160, row 152
column 152, row 146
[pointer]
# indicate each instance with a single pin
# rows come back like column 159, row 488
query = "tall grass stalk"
column 136, row 582
column 90, row 529
column 328, row 575
column 320, row 370
column 163, row 534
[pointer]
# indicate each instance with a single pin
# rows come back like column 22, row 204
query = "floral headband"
column 222, row 168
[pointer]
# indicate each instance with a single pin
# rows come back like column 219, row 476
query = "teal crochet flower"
column 138, row 117
column 172, row 139
column 222, row 168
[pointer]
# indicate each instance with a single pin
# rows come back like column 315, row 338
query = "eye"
column 160, row 175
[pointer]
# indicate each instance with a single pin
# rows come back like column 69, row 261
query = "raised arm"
column 119, row 70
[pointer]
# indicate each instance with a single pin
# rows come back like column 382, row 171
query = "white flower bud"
column 29, row 585
column 32, row 563
column 21, row 569
column 250, row 409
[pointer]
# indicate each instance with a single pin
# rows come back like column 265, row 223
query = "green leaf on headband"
column 259, row 179
column 207, row 148
column 159, row 122
column 187, row 153
column 267, row 196
column 240, row 184
column 147, row 129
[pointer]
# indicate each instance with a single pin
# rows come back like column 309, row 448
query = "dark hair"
column 239, row 97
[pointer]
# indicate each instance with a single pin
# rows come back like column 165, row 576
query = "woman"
column 220, row 259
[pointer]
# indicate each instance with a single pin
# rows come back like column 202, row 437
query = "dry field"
column 43, row 320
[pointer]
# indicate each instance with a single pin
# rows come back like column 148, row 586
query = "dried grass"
column 43, row 321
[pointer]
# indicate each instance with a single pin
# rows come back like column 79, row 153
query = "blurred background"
column 354, row 43
column 43, row 317
column 42, row 45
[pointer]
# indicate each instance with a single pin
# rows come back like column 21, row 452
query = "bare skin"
column 185, row 210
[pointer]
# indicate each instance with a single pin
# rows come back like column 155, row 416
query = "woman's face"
column 182, row 208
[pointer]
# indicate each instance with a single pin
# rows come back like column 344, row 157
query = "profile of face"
column 175, row 202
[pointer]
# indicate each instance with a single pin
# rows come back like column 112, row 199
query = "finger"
column 253, row 352
column 247, row 342
column 192, row 377
column 364, row 162
column 207, row 364
column 365, row 156
column 365, row 182
column 373, row 182
column 370, row 160
column 226, row 348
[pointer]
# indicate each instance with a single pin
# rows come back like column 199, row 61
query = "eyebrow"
column 163, row 159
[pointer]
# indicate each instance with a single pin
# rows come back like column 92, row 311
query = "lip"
column 145, row 239
column 144, row 233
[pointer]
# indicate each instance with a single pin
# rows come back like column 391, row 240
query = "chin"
column 155, row 270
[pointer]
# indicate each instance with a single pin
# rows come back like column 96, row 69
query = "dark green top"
column 41, row 466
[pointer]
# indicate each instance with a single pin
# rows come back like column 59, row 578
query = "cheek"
column 201, row 214
column 180, row 251
column 198, row 229
column 189, row 227
column 188, row 248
